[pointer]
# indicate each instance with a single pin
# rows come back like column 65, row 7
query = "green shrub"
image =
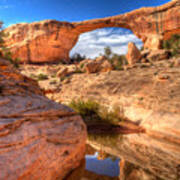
column 78, row 71
column 33, row 76
column 62, row 78
column 173, row 44
column 94, row 113
column 142, row 48
column 53, row 75
column 8, row 56
column 85, row 108
column 42, row 77
column 116, row 60
column 107, row 52
column 4, row 51
column 81, row 66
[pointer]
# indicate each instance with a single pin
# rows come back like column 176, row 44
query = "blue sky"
column 17, row 11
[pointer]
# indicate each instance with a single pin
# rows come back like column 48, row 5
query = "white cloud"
column 5, row 6
column 92, row 43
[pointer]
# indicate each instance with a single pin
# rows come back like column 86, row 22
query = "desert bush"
column 116, row 60
column 53, row 82
column 94, row 113
column 8, row 56
column 77, row 58
column 63, row 78
column 78, row 71
column 53, row 75
column 41, row 77
column 85, row 108
column 4, row 51
column 33, row 76
column 82, row 66
column 173, row 44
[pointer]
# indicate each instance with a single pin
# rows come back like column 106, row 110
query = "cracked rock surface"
column 39, row 139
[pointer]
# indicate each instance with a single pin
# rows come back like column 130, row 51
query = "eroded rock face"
column 39, row 139
column 51, row 41
column 45, row 41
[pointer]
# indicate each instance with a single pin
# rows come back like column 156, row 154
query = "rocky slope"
column 51, row 41
column 39, row 139
column 149, row 96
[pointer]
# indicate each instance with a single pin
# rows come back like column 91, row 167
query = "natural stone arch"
column 50, row 40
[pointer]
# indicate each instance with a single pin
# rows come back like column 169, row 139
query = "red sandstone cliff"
column 39, row 139
column 51, row 41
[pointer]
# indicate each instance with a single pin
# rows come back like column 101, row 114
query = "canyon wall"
column 51, row 40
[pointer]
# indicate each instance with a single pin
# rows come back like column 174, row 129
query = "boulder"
column 105, row 66
column 92, row 67
column 39, row 139
column 52, row 41
column 133, row 55
column 100, row 64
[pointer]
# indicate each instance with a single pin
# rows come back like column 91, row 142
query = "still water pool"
column 103, row 167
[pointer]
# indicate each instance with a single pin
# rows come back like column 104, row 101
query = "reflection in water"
column 103, row 167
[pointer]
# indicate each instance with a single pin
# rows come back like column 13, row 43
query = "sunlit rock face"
column 39, row 139
column 45, row 41
column 149, row 98
column 51, row 41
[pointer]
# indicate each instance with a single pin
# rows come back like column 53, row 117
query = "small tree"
column 107, row 52
column 77, row 57
column 118, row 61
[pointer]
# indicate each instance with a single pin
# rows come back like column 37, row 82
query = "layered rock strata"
column 39, row 139
column 51, row 40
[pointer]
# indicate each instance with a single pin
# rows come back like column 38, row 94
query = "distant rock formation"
column 39, row 139
column 51, row 41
